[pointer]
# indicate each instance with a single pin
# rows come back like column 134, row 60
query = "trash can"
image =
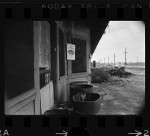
column 78, row 86
column 90, row 106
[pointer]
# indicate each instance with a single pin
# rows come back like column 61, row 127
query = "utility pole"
column 104, row 60
column 114, row 59
column 137, row 61
column 125, row 56
column 108, row 59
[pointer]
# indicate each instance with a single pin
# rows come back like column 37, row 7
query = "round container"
column 90, row 106
column 78, row 86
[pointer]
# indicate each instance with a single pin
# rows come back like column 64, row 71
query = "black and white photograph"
column 74, row 68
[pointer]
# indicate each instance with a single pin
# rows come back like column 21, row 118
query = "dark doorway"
column 79, row 64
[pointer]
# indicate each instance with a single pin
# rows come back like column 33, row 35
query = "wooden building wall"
column 45, row 54
column 20, row 92
column 46, row 92
column 27, row 46
column 80, row 32
column 74, row 31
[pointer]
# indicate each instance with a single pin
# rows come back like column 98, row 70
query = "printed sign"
column 70, row 51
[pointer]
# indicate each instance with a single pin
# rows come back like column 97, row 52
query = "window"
column 79, row 64
column 61, row 53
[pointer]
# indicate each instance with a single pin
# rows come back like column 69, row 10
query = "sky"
column 120, row 35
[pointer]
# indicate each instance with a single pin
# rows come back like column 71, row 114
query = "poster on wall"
column 70, row 51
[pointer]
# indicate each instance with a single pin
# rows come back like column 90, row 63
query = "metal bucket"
column 78, row 86
column 90, row 106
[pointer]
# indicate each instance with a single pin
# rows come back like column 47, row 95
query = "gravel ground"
column 123, row 96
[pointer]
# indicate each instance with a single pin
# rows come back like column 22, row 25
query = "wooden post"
column 125, row 56
column 114, row 59
column 37, row 39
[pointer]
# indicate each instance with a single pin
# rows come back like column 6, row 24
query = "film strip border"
column 115, row 125
column 69, row 11
column 52, row 122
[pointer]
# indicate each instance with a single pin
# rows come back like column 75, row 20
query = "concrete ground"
column 123, row 96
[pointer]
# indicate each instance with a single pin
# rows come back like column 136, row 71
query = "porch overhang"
column 97, row 30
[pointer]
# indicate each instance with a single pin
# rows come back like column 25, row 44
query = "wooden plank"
column 10, row 103
column 37, row 39
column 28, row 109
column 18, row 106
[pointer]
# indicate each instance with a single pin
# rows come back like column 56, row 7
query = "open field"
column 124, row 96
column 138, row 70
